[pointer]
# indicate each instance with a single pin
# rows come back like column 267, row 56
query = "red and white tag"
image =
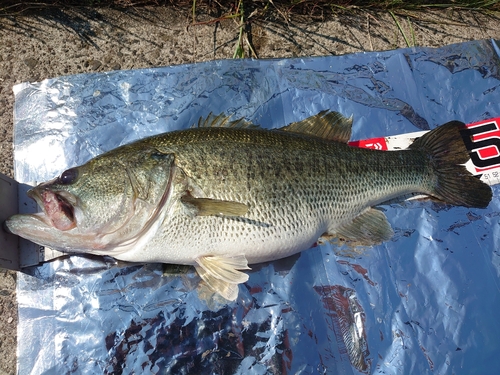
column 482, row 139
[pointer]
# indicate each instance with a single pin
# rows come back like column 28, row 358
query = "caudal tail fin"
column 454, row 184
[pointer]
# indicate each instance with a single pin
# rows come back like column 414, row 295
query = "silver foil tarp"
column 426, row 301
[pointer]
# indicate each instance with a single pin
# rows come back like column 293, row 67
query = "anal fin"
column 369, row 228
column 223, row 274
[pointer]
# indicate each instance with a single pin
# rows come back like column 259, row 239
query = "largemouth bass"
column 226, row 194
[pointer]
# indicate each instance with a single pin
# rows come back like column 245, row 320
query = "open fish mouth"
column 57, row 209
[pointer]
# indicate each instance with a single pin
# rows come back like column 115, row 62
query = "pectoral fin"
column 369, row 228
column 207, row 206
column 222, row 273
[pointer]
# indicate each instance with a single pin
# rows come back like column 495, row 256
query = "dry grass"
column 247, row 12
column 313, row 8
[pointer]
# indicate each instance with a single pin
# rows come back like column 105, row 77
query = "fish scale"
column 227, row 194
column 327, row 172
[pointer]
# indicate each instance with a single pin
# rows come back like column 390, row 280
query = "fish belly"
column 183, row 239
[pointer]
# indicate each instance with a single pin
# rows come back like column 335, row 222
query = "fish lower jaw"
column 22, row 225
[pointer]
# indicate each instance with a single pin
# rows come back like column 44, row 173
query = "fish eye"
column 68, row 176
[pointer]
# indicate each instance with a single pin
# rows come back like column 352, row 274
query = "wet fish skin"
column 226, row 194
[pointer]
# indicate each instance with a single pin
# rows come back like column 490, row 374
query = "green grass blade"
column 400, row 28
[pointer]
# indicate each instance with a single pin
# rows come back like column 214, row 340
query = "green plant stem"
column 413, row 38
column 240, row 52
column 400, row 28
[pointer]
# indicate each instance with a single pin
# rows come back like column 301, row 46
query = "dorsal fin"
column 326, row 125
column 222, row 121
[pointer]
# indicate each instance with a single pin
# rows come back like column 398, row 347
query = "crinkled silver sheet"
column 425, row 302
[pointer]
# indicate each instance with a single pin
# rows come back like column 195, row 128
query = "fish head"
column 102, row 207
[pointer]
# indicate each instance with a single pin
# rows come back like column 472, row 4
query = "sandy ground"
column 55, row 43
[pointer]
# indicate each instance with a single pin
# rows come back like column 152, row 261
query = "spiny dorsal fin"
column 222, row 121
column 326, row 125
